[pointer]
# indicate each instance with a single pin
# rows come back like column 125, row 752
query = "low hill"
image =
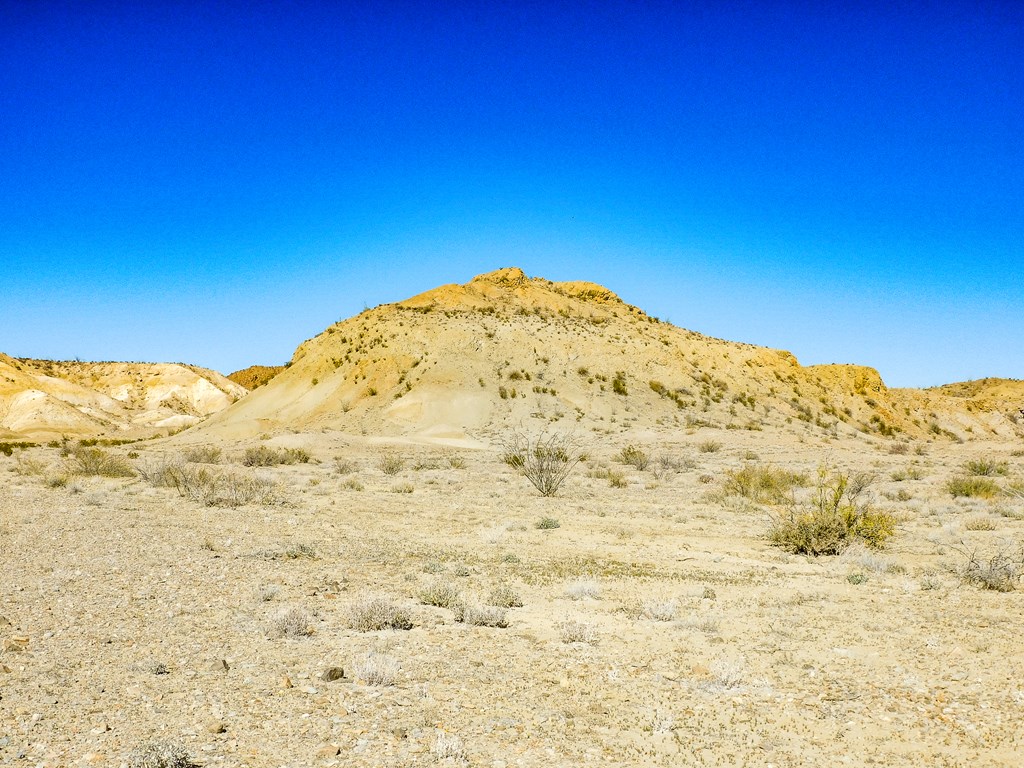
column 46, row 399
column 470, row 361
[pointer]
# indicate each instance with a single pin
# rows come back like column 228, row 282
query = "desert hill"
column 45, row 399
column 469, row 361
column 255, row 375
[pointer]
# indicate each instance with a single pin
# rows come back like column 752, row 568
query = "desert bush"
column 481, row 615
column 160, row 755
column 390, row 463
column 634, row 456
column 833, row 519
column 345, row 466
column 547, row 524
column 545, row 460
column 403, row 488
column 374, row 612
column 504, row 596
column 442, row 594
column 203, row 454
column 97, row 462
column 573, row 631
column 353, row 484
column 985, row 467
column 292, row 622
column 265, row 456
column 27, row 466
column 709, row 446
column 661, row 610
column 581, row 589
column 7, row 448
column 616, row 479
column 448, row 747
column 762, row 483
column 999, row 571
column 980, row 523
column 666, row 466
column 376, row 669
column 209, row 487
column 972, row 486
column 455, row 461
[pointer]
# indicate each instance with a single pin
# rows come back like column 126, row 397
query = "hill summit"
column 506, row 349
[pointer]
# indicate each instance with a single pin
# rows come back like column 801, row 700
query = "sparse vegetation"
column 442, row 594
column 481, row 615
column 160, row 755
column 547, row 523
column 292, row 622
column 709, row 446
column 376, row 669
column 204, row 454
column 985, row 467
column 998, row 570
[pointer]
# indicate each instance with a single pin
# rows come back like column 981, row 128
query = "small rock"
column 15, row 644
column 216, row 726
column 220, row 665
column 328, row 750
column 286, row 682
column 308, row 689
column 332, row 673
column 4, row 621
column 4, row 669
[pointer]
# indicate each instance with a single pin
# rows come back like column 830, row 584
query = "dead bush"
column 160, row 755
column 97, row 462
column 762, row 483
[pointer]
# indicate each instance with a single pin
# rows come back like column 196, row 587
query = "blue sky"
column 214, row 183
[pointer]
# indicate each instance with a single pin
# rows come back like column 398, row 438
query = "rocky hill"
column 255, row 375
column 47, row 399
column 507, row 350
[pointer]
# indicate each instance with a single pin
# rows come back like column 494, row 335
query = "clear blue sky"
column 214, row 183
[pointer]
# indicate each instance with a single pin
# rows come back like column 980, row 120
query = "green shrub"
column 710, row 446
column 975, row 487
column 985, row 467
column 762, row 483
column 390, row 463
column 547, row 523
column 833, row 519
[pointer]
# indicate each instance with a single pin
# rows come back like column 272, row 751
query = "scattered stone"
column 15, row 644
column 332, row 673
column 286, row 682
column 5, row 622
column 4, row 669
column 328, row 750
column 216, row 726
column 220, row 665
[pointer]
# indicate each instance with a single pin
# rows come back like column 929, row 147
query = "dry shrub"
column 481, row 615
column 374, row 612
column 97, row 462
column 583, row 589
column 833, row 519
column 442, row 594
column 292, row 622
column 203, row 454
column 573, row 631
column 762, row 483
column 634, row 456
column 390, row 463
column 545, row 459
column 710, row 446
column 28, row 466
column 999, row 571
column 209, row 487
column 376, row 669
column 661, row 610
column 265, row 456
column 504, row 596
column 160, row 755
column 985, row 467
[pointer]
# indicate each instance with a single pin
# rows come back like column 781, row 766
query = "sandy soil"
column 131, row 615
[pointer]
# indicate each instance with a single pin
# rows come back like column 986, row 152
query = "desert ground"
column 638, row 617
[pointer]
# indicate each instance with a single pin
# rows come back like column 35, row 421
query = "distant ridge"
column 255, row 375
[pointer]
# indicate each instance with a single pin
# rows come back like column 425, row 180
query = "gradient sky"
column 215, row 182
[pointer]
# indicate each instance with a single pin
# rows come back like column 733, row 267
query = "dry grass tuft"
column 374, row 612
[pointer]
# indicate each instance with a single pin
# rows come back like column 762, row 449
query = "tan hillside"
column 255, row 375
column 467, row 361
column 45, row 399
